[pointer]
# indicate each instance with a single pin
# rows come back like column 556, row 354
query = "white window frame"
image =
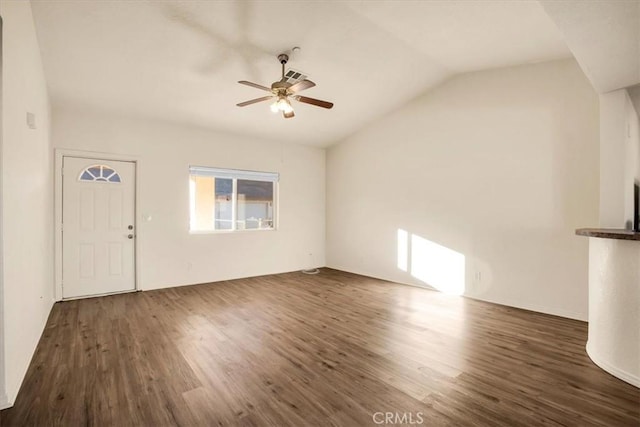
column 234, row 175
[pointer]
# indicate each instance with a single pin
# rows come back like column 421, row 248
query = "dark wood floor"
column 330, row 349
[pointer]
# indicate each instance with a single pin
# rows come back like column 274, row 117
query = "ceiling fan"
column 282, row 92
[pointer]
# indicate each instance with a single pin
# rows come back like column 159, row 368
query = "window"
column 229, row 199
column 99, row 173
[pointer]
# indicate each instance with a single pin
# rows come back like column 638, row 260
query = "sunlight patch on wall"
column 431, row 263
column 437, row 265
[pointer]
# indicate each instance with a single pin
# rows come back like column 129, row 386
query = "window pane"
column 255, row 204
column 227, row 199
column 99, row 173
column 211, row 203
column 95, row 171
column 224, row 204
column 202, row 203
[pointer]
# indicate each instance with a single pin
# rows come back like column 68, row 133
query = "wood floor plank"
column 333, row 349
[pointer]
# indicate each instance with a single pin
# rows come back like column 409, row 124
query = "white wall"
column 169, row 255
column 619, row 148
column 632, row 154
column 499, row 166
column 634, row 95
column 27, row 185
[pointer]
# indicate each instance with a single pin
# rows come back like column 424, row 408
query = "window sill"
column 246, row 230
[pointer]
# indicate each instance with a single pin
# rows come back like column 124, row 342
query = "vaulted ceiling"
column 181, row 60
column 604, row 37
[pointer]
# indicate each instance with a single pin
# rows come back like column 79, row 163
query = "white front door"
column 98, row 227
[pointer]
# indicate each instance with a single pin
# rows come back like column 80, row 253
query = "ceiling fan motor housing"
column 280, row 85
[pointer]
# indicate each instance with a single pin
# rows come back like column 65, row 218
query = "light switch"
column 31, row 120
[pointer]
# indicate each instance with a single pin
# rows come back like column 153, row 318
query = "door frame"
column 60, row 154
column 4, row 401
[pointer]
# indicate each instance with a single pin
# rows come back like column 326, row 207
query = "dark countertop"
column 609, row 233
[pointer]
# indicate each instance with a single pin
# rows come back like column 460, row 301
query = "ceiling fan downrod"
column 283, row 58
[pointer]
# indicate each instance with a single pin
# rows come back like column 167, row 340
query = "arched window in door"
column 100, row 173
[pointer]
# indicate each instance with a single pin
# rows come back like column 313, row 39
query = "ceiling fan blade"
column 313, row 101
column 256, row 85
column 301, row 85
column 288, row 115
column 253, row 101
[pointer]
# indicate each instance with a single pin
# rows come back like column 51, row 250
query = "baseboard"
column 219, row 279
column 616, row 372
column 528, row 307
column 25, row 368
column 4, row 402
column 533, row 307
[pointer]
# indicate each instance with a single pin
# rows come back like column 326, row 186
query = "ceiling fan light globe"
column 282, row 104
column 274, row 107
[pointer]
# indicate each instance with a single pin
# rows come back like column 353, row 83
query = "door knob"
column 130, row 227
column 130, row 236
